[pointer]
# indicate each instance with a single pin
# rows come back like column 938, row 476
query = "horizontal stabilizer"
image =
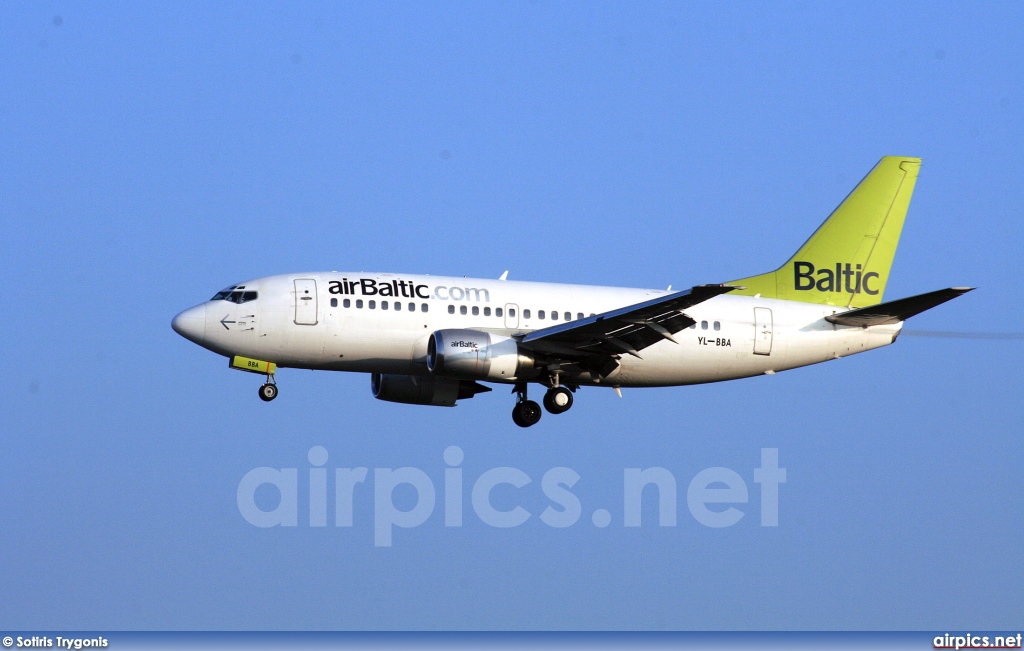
column 896, row 311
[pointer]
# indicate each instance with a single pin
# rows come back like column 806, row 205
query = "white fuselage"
column 301, row 321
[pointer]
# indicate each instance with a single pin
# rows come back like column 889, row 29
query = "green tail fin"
column 847, row 260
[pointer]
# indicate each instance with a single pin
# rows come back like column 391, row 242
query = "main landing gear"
column 557, row 400
column 526, row 412
column 268, row 391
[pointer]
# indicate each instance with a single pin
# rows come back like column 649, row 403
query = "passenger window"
column 487, row 311
column 359, row 303
column 554, row 315
column 451, row 309
column 568, row 316
column 398, row 306
column 347, row 303
column 423, row 308
column 383, row 305
column 526, row 314
column 334, row 302
column 462, row 310
column 540, row 314
column 718, row 326
column 412, row 307
column 373, row 305
column 579, row 315
column 703, row 325
column 476, row 311
column 693, row 326
column 497, row 311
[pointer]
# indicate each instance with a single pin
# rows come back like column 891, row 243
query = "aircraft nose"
column 191, row 324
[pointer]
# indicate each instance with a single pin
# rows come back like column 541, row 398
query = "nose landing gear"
column 268, row 391
column 526, row 412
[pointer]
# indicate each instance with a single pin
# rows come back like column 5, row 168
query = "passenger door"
column 762, row 331
column 305, row 301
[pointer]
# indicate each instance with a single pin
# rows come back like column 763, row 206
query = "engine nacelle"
column 472, row 354
column 423, row 389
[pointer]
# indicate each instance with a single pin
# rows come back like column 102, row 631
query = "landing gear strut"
column 526, row 412
column 268, row 391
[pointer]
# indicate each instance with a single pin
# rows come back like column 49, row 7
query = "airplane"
column 432, row 340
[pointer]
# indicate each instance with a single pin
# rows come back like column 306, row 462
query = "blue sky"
column 151, row 154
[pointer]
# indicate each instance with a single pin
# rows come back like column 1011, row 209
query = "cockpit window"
column 233, row 295
column 242, row 297
column 222, row 294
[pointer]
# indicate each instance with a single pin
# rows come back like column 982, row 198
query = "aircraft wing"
column 595, row 340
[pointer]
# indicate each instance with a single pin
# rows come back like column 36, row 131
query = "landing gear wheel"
column 558, row 400
column 268, row 392
column 526, row 413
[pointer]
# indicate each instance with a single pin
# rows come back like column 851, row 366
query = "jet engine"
column 423, row 389
column 476, row 355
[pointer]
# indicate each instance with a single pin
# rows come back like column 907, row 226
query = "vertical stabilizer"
column 847, row 260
